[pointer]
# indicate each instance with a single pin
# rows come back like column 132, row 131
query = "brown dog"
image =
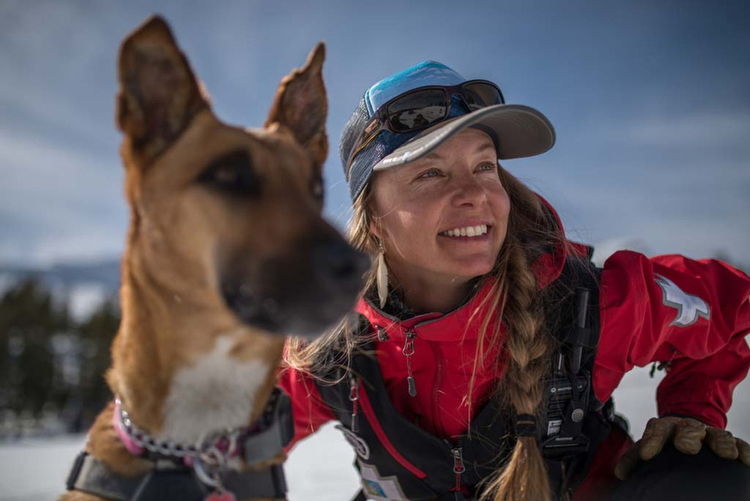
column 226, row 251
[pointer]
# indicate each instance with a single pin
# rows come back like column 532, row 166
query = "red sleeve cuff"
column 704, row 414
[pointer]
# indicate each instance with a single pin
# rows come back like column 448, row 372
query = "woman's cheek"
column 420, row 192
column 500, row 200
column 411, row 221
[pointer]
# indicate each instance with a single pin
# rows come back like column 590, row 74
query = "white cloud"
column 52, row 51
column 57, row 202
column 605, row 248
column 708, row 128
column 697, row 217
column 42, row 177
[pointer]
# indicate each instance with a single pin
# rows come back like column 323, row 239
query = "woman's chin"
column 470, row 263
column 469, row 253
column 469, row 270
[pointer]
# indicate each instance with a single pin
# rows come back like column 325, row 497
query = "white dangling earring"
column 381, row 276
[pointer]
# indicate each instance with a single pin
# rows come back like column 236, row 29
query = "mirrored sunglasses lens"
column 480, row 94
column 417, row 110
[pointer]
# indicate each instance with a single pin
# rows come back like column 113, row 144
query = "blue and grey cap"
column 520, row 131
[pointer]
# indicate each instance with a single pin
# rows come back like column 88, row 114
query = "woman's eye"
column 489, row 166
column 429, row 173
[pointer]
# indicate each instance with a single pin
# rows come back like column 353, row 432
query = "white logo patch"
column 689, row 307
column 360, row 446
column 379, row 488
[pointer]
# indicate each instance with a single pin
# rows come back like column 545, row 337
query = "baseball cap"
column 518, row 131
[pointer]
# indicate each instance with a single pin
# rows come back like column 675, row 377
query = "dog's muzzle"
column 302, row 293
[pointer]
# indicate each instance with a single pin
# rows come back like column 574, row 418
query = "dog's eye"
column 232, row 173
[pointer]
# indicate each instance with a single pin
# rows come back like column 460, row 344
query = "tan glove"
column 688, row 436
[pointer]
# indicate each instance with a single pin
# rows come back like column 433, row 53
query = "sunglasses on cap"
column 424, row 107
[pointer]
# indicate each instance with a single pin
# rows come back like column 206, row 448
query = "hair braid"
column 524, row 477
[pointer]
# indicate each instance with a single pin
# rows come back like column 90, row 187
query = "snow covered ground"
column 318, row 469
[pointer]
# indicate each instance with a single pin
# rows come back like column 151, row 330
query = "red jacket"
column 693, row 314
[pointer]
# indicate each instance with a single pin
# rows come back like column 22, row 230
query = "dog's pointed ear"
column 301, row 106
column 159, row 94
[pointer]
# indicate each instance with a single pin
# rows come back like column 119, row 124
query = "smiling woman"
column 489, row 345
column 442, row 220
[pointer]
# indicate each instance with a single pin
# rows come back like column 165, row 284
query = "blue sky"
column 650, row 100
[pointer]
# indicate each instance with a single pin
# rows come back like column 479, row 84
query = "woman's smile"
column 469, row 232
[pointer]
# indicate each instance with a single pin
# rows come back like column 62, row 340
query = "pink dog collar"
column 120, row 428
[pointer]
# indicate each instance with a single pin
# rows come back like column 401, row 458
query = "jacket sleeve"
column 309, row 410
column 693, row 314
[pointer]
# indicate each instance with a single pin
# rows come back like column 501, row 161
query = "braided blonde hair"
column 527, row 347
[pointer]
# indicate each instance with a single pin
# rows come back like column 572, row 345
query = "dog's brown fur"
column 185, row 236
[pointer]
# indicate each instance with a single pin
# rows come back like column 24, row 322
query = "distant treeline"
column 51, row 367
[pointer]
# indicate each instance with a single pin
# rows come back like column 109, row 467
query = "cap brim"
column 521, row 132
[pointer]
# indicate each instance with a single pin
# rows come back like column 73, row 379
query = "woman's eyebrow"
column 433, row 154
column 485, row 146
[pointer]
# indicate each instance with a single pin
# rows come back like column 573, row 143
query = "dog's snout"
column 339, row 264
column 303, row 292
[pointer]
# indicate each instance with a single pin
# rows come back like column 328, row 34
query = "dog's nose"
column 340, row 265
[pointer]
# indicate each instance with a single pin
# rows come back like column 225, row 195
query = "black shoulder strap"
column 333, row 375
column 575, row 320
column 574, row 424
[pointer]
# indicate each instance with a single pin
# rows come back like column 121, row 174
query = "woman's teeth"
column 468, row 231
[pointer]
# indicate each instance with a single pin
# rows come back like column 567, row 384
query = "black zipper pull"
column 353, row 398
column 458, row 469
column 408, row 351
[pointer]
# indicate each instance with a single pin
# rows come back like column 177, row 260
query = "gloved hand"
column 688, row 436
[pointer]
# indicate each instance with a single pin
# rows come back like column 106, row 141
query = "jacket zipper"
column 458, row 469
column 408, row 351
column 354, row 398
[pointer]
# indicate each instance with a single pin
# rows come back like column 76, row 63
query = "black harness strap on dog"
column 92, row 476
column 275, row 430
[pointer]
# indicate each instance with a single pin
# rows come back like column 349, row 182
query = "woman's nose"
column 468, row 191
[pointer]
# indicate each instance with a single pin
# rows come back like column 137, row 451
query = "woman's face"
column 418, row 207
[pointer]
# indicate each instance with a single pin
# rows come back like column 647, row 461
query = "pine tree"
column 96, row 336
column 29, row 318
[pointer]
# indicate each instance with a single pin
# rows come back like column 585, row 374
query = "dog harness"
column 399, row 461
column 193, row 473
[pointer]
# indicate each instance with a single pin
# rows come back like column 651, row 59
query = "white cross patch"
column 689, row 307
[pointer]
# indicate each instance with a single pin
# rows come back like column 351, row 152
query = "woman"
column 475, row 368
